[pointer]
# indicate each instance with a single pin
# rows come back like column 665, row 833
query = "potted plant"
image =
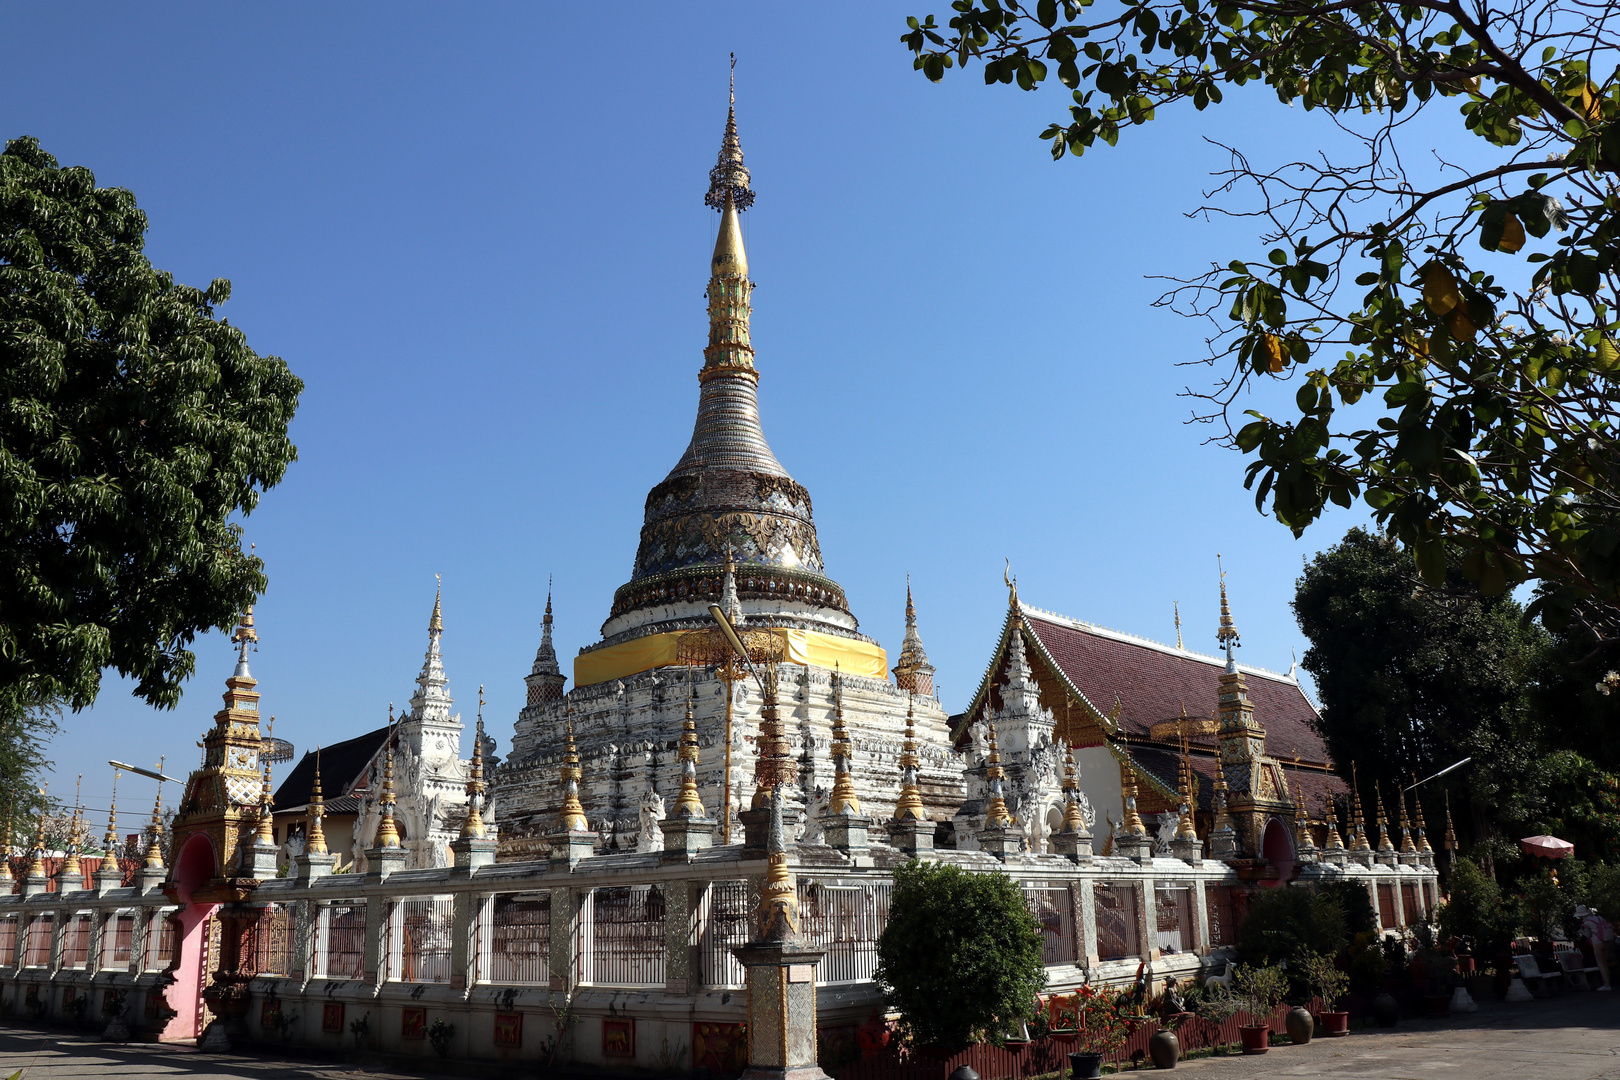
column 1103, row 1027
column 1328, row 983
column 1261, row 987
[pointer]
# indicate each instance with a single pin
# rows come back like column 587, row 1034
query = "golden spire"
column 315, row 842
column 154, row 841
column 1358, row 823
column 1383, row 822
column 1302, row 816
column 1227, row 635
column 571, row 818
column 1450, row 842
column 70, row 864
column 909, row 807
column 1407, row 845
column 729, row 349
column 689, row 803
column 1223, row 820
column 995, row 814
column 778, row 900
column 1127, row 783
column 1329, row 811
column 387, row 831
column 436, row 623
column 110, row 841
column 265, row 835
column 1176, row 605
column 772, row 768
column 36, row 865
column 473, row 828
column 843, row 799
column 1185, row 829
column 1073, row 820
column 1422, row 832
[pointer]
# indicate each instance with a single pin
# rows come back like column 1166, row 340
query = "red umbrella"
column 1547, row 847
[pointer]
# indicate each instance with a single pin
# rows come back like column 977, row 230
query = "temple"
column 687, row 858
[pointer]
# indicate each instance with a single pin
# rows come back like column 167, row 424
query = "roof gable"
column 342, row 765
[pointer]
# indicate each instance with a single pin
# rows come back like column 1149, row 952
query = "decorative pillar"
column 679, row 901
column 781, row 976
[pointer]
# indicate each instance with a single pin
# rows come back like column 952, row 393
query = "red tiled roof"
column 1156, row 684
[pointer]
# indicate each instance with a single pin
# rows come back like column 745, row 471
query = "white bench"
column 1575, row 969
column 1536, row 981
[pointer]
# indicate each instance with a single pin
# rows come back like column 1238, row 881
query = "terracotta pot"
column 1335, row 1025
column 1437, row 1004
column 1085, row 1066
column 1386, row 1010
column 1164, row 1048
column 1301, row 1026
column 1256, row 1039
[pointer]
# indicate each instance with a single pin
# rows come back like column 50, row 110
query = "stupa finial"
column 315, row 841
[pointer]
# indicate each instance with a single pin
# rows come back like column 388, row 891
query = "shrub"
column 1282, row 922
column 1356, row 903
column 1603, row 890
column 1367, row 965
column 1260, row 988
column 960, row 958
column 1323, row 978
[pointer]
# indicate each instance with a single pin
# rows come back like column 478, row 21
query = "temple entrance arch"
column 1277, row 848
column 194, row 866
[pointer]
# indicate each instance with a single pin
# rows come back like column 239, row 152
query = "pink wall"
column 194, row 867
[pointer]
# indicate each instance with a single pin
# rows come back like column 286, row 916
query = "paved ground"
column 1574, row 1037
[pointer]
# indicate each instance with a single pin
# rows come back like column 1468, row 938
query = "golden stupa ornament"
column 689, row 803
column 1132, row 825
column 1073, row 819
column 1223, row 819
column 387, row 831
column 1450, row 842
column 1334, row 841
column 995, row 814
column 1408, row 846
column 265, row 835
column 154, row 840
column 772, row 768
column 315, row 844
column 1185, row 828
column 843, row 799
column 779, row 899
column 71, row 867
column 1384, row 843
column 1423, row 845
column 1302, row 817
column 1358, row 823
column 36, row 864
column 474, row 828
column 109, row 841
column 909, row 807
column 571, row 818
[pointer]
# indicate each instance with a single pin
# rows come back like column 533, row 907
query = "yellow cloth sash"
column 798, row 647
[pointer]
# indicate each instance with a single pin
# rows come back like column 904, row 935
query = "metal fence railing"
column 37, row 946
column 622, row 936
column 845, row 922
column 418, row 944
column 1053, row 908
column 516, row 945
column 117, row 939
column 1117, row 938
column 8, row 941
column 340, row 948
column 76, row 941
column 1223, row 916
column 723, row 920
column 1173, row 919
column 273, row 944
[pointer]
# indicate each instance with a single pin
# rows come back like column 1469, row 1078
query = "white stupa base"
column 1517, row 991
column 1462, row 1002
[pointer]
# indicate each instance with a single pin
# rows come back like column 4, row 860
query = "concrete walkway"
column 1572, row 1037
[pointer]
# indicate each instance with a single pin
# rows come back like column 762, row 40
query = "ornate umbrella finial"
column 266, row 836
column 571, row 818
column 729, row 179
column 689, row 803
column 843, row 799
column 473, row 828
column 1227, row 635
column 995, row 815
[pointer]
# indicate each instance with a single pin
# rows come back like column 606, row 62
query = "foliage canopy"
column 1452, row 330
column 960, row 957
column 1282, row 923
column 134, row 426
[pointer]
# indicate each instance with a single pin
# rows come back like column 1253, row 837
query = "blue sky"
column 478, row 235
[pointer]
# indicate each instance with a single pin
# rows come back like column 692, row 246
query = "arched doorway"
column 1277, row 848
column 193, row 868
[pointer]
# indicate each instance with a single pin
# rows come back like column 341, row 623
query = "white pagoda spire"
column 431, row 702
